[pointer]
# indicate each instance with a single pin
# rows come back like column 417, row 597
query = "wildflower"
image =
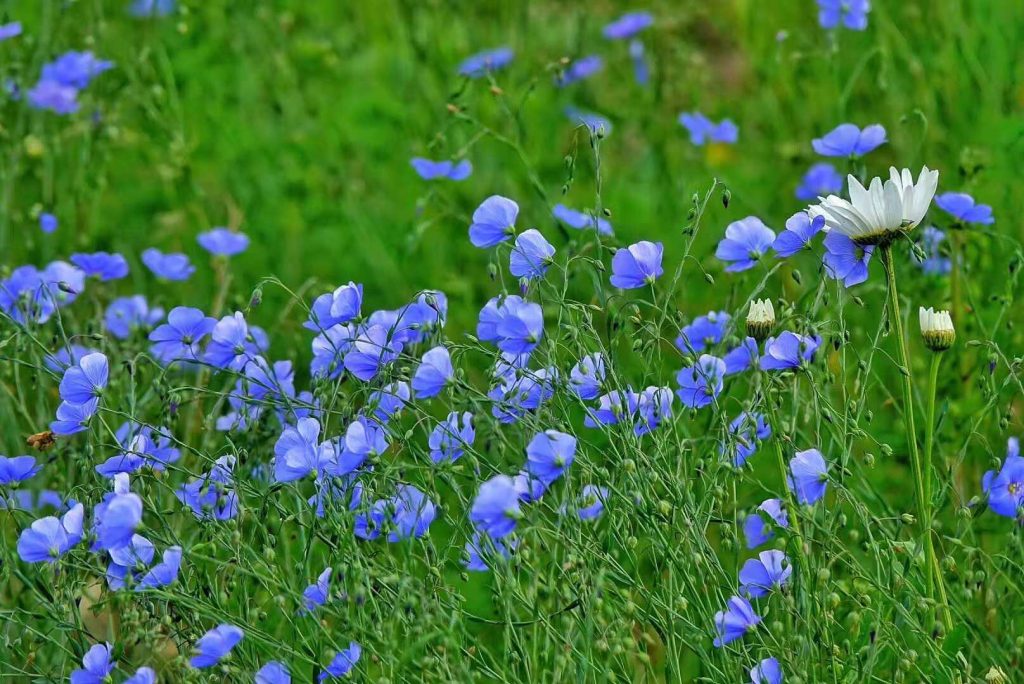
column 86, row 381
column 653, row 405
column 882, row 211
column 371, row 351
column 587, row 376
column 596, row 124
column 768, row 671
column 529, row 488
column 481, row 549
column 223, row 242
column 934, row 263
column 25, row 297
column 215, row 645
column 936, row 329
column 628, row 25
column 343, row 662
column 178, row 339
column 789, row 351
column 638, row 265
column 315, row 595
column 770, row 570
column 800, row 230
column 73, row 418
column 531, row 255
column 703, row 130
column 212, row 496
column 641, row 72
column 745, row 432
column 745, row 242
column 742, row 357
column 487, row 61
column 429, row 169
column 75, row 69
column 17, row 469
column 847, row 140
column 852, row 13
column 163, row 573
column 96, row 666
column 298, row 452
column 963, row 208
column 151, row 8
column 273, row 673
column 230, row 345
column 614, row 407
column 175, row 266
column 736, row 620
column 60, row 99
column 10, row 30
column 519, row 392
column 329, row 350
column 705, row 331
column 47, row 539
column 412, row 514
column 101, row 265
column 591, row 502
column 433, row 373
column 494, row 221
column 579, row 220
column 496, row 509
column 845, row 259
column 126, row 314
column 124, row 560
column 449, row 440
column 808, row 476
column 67, row 356
column 701, row 383
column 820, row 179
column 519, row 326
column 549, row 454
column 334, row 308
column 144, row 675
column 760, row 319
column 117, row 517
column 756, row 531
column 364, row 438
column 582, row 68
column 48, row 222
column 1005, row 489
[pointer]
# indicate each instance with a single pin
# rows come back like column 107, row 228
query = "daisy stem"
column 929, row 436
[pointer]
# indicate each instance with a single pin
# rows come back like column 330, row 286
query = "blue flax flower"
column 212, row 496
column 768, row 671
column 653, row 406
column 934, row 263
column 86, row 381
column 17, row 469
column 821, row 180
column 273, row 673
column 449, row 440
column 101, row 265
column 582, row 68
column 10, row 30
column 852, row 13
column 531, row 255
column 742, row 357
column 962, row 207
column 595, row 123
column 756, row 530
column 48, row 223
column 701, row 383
column 789, row 351
column 487, row 61
column 315, row 595
column 329, row 350
column 428, row 169
column 389, row 401
column 96, row 666
column 117, row 517
column 591, row 502
column 808, row 476
column 494, row 221
column 770, row 570
column 848, row 140
column 73, row 418
column 745, row 242
column 175, row 266
column 745, row 432
column 615, row 407
column 587, row 376
column 145, row 9
column 126, row 560
column 641, row 72
column 66, row 357
column 125, row 315
column 628, row 25
column 512, row 323
column 223, row 242
column 703, row 130
column 1005, row 489
column 638, row 265
column 179, row 338
column 231, row 345
column 51, row 95
column 47, row 539
column 845, row 260
column 298, row 451
column 580, row 220
column 496, row 509
column 75, row 69
column 549, row 454
column 433, row 373
column 342, row 663
column 412, row 513
column 481, row 550
column 334, row 308
column 370, row 352
column 705, row 331
column 215, row 645
column 164, row 572
column 735, row 621
column 364, row 438
column 144, row 675
column 800, row 230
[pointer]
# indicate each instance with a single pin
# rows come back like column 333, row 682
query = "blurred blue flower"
column 389, row 401
column 703, row 130
column 179, row 338
column 591, row 502
column 60, row 99
column 638, row 265
column 448, row 441
column 845, row 260
column 116, row 519
column 531, row 255
column 494, row 221
column 175, row 266
column 66, row 356
column 735, row 621
column 496, row 509
column 852, row 13
column 481, row 63
column 126, row 315
column 273, row 673
column 333, row 308
column 48, row 222
column 963, row 207
column 528, row 488
column 145, row 9
column 579, row 220
column 848, row 140
column 223, row 242
column 800, row 230
column 701, row 383
column 934, row 263
column 47, row 539
column 756, row 530
column 582, row 68
column 101, row 265
column 17, row 469
column 75, row 69
column 96, row 666
column 586, row 377
column 215, row 645
column 614, row 407
column 641, row 72
column 549, row 454
column 595, row 123
column 370, row 352
column 86, row 381
column 212, row 496
column 343, row 663
column 413, row 513
column 768, row 671
column 481, row 550
column 10, row 30
column 770, row 570
column 164, row 572
column 654, row 405
column 808, row 476
column 821, row 180
column 789, row 351
column 745, row 242
column 703, row 332
column 315, row 595
column 144, row 675
column 429, row 169
column 628, row 25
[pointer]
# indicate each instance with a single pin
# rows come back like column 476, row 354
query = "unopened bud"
column 760, row 319
column 937, row 329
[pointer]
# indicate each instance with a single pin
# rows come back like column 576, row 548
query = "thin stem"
column 929, row 474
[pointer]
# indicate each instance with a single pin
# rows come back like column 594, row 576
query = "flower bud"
column 760, row 319
column 937, row 329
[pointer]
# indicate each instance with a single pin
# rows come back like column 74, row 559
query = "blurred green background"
column 295, row 122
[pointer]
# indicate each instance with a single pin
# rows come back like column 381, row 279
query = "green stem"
column 929, row 473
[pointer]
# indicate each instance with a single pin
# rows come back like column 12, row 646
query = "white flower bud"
column 937, row 329
column 760, row 319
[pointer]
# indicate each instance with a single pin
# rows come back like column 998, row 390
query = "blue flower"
column 962, row 207
column 212, row 497
column 934, row 263
column 223, row 242
column 531, row 255
column 705, row 331
column 343, row 663
column 768, row 671
column 429, row 169
column 125, row 560
column 179, row 338
column 215, row 645
column 641, row 72
column 528, row 487
column 96, row 666
column 770, row 570
column 701, row 383
column 852, row 13
column 73, row 418
column 587, row 376
column 433, row 373
column 481, row 550
column 735, row 621
column 315, row 595
column 654, row 405
column 144, row 675
column 298, row 451
column 334, row 308
column 10, row 30
column 847, row 140
column 703, row 130
column 273, row 673
column 614, row 407
column 494, row 221
column 48, row 222
column 822, row 179
column 579, row 220
column 1005, row 489
column 496, row 509
column 756, row 531
column 448, row 441
column 230, row 344
column 17, row 469
column 789, row 351
column 808, row 476
column 101, row 265
column 582, row 68
column 368, row 525
column 745, row 242
column 329, row 349
column 845, row 260
column 371, row 351
column 487, row 61
column 364, row 438
column 66, row 356
column 412, row 514
column 60, row 99
column 521, row 391
column 174, row 266
column 127, row 314
column 163, row 573
column 86, row 381
column 591, row 502
column 549, row 454
column 800, row 230
column 47, row 539
column 745, row 431
column 628, row 25
column 595, row 123
column 117, row 518
column 638, row 265
column 144, row 9
column 519, row 325
column 75, row 69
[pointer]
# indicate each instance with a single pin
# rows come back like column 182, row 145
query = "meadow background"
column 295, row 123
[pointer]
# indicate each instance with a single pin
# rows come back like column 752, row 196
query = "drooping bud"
column 760, row 319
column 937, row 329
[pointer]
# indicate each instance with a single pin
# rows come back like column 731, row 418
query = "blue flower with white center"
column 179, row 338
column 86, row 381
column 17, row 469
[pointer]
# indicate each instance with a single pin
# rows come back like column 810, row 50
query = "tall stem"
column 929, row 473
